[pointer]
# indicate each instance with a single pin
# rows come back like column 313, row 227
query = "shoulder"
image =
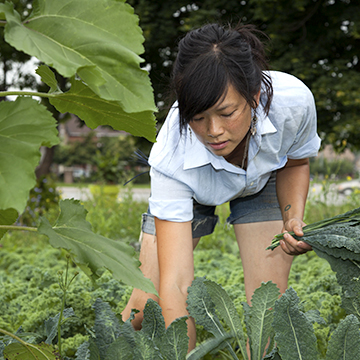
column 289, row 91
column 167, row 154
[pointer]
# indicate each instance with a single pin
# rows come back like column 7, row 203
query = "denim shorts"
column 262, row 206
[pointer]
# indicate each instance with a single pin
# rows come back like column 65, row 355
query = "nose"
column 215, row 127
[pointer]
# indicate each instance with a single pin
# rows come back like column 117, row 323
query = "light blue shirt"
column 182, row 168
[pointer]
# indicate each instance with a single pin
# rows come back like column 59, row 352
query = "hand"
column 290, row 245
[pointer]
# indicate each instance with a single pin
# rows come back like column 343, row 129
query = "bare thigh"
column 262, row 265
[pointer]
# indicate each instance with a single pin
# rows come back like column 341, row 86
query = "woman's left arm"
column 292, row 185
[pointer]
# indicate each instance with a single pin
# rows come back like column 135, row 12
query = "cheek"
column 198, row 130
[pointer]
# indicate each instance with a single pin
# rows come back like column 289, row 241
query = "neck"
column 239, row 155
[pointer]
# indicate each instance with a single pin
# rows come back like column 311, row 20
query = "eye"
column 197, row 118
column 228, row 115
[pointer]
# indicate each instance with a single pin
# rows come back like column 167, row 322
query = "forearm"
column 176, row 267
column 292, row 185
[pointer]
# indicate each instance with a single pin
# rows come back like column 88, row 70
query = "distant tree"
column 11, row 60
column 315, row 40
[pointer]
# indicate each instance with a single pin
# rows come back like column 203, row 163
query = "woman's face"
column 222, row 127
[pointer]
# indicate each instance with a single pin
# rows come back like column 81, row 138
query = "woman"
column 237, row 134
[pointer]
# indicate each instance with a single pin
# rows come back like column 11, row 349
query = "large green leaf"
column 106, row 327
column 91, row 251
column 153, row 324
column 347, row 275
column 172, row 342
column 228, row 313
column 207, row 346
column 83, row 102
column 88, row 351
column 344, row 343
column 7, row 217
column 146, row 348
column 120, row 349
column 259, row 317
column 51, row 324
column 202, row 308
column 17, row 351
column 25, row 125
column 176, row 341
column 295, row 335
column 101, row 43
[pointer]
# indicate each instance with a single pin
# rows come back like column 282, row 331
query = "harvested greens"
column 340, row 229
column 337, row 240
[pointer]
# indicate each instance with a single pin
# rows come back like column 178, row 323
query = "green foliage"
column 317, row 41
column 202, row 308
column 26, row 351
column 109, row 89
column 346, row 228
column 75, row 153
column 43, row 198
column 112, row 160
column 31, row 294
column 109, row 157
column 259, row 317
column 90, row 251
column 341, row 167
column 25, row 125
column 116, row 219
column 114, row 340
column 75, row 49
column 295, row 336
column 344, row 342
column 327, row 204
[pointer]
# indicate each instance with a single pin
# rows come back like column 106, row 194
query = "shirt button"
column 252, row 184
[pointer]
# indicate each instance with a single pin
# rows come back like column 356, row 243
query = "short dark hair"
column 213, row 57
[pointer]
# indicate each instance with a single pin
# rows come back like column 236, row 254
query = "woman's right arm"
column 176, row 265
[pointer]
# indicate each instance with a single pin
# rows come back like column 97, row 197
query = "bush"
column 339, row 168
column 44, row 199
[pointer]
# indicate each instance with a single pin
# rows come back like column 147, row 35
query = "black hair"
column 213, row 57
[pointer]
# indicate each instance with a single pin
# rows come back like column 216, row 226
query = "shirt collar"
column 197, row 155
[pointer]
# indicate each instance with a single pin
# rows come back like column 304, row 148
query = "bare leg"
column 261, row 265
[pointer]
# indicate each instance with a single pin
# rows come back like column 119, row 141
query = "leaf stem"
column 29, row 93
column 15, row 227
column 13, row 336
column 24, row 343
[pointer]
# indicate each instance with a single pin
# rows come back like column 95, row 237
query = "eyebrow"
column 224, row 107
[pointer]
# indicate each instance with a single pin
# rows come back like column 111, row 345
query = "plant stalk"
column 14, row 227
column 60, row 319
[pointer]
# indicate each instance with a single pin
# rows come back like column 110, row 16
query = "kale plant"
column 337, row 240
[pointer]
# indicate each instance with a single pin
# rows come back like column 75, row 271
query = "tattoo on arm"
column 287, row 207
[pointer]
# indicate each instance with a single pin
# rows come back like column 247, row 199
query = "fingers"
column 292, row 246
column 298, row 230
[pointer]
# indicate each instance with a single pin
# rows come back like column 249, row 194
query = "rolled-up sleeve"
column 307, row 141
column 170, row 199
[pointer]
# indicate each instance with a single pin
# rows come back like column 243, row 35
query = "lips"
column 218, row 145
